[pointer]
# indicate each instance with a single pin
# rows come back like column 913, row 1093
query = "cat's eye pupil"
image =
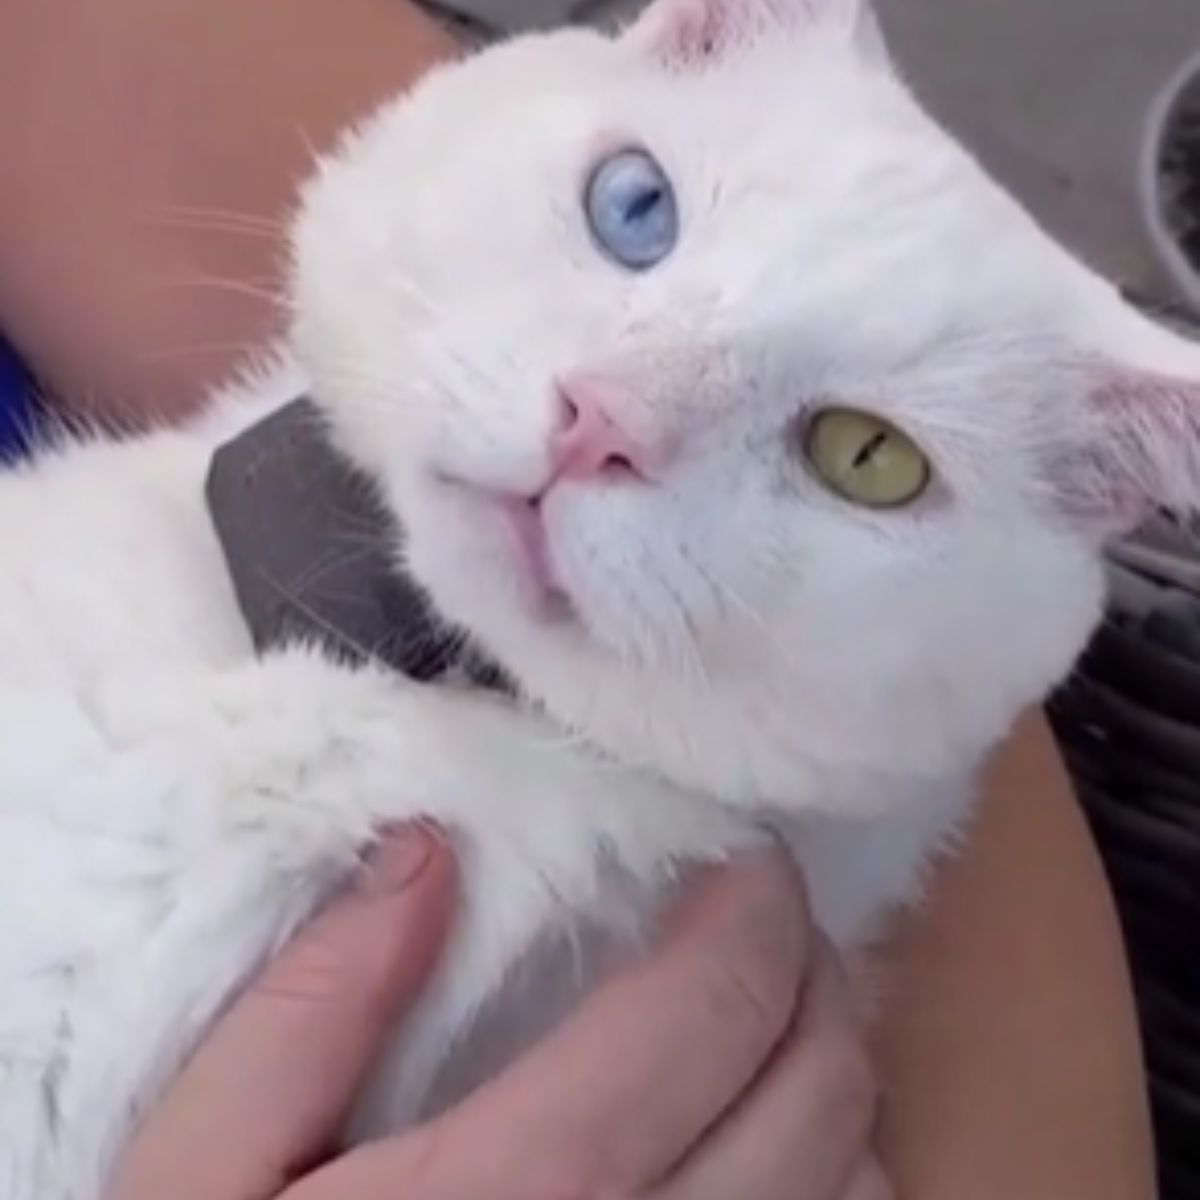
column 644, row 203
column 630, row 209
column 870, row 449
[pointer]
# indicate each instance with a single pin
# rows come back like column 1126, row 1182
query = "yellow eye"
column 865, row 459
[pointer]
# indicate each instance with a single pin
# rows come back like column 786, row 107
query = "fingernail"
column 398, row 860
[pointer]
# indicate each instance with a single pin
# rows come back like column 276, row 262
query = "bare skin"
column 1009, row 1055
column 130, row 130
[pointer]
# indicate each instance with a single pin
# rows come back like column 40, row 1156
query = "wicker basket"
column 1129, row 726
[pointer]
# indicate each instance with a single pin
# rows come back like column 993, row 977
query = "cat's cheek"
column 592, row 567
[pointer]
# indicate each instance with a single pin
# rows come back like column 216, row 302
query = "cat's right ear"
column 684, row 33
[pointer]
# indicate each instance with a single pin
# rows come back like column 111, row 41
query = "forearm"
column 1010, row 1054
column 128, row 126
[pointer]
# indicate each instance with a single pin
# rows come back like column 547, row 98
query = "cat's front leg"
column 177, row 831
column 553, row 839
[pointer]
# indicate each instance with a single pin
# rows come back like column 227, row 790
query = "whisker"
column 173, row 352
column 234, row 286
column 336, row 636
column 212, row 226
column 723, row 591
column 405, row 285
column 368, row 397
column 310, row 147
column 312, row 575
column 227, row 217
column 686, row 640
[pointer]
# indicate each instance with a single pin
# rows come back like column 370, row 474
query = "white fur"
column 747, row 646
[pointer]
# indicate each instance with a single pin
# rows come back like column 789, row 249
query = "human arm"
column 151, row 150
column 1009, row 1049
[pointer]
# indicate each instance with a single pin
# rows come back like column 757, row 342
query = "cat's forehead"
column 789, row 132
column 810, row 186
column 755, row 105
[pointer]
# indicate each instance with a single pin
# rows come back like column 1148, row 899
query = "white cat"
column 627, row 330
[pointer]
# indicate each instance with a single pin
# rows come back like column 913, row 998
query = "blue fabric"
column 17, row 406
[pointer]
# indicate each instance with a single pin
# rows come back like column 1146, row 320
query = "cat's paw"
column 316, row 757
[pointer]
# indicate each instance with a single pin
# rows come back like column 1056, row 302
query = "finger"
column 800, row 1131
column 268, row 1089
column 624, row 1088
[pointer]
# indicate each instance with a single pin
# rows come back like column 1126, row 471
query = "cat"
column 757, row 434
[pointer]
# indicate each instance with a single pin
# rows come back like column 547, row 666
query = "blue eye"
column 631, row 211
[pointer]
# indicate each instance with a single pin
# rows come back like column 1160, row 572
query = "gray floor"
column 1052, row 94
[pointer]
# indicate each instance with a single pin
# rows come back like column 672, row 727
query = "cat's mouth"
column 517, row 523
column 533, row 561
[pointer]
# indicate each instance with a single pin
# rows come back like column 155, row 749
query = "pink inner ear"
column 682, row 32
column 685, row 32
column 1141, row 452
column 1090, row 495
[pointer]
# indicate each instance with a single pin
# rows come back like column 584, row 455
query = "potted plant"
column 1170, row 179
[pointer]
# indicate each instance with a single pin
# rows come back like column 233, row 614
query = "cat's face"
column 593, row 310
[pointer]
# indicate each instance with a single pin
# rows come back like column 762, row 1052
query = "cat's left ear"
column 692, row 32
column 1140, row 448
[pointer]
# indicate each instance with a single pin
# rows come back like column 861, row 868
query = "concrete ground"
column 1052, row 94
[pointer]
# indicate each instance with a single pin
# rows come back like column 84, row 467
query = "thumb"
column 266, row 1093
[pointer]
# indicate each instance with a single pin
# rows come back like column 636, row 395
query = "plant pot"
column 1169, row 179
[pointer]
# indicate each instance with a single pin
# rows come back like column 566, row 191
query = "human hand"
column 728, row 1064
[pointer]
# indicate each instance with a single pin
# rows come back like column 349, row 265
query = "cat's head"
column 726, row 399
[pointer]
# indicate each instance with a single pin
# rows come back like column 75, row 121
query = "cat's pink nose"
column 591, row 441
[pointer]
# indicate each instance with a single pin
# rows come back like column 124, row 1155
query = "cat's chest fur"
column 172, row 807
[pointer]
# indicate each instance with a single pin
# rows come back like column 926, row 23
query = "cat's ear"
column 687, row 32
column 1140, row 444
